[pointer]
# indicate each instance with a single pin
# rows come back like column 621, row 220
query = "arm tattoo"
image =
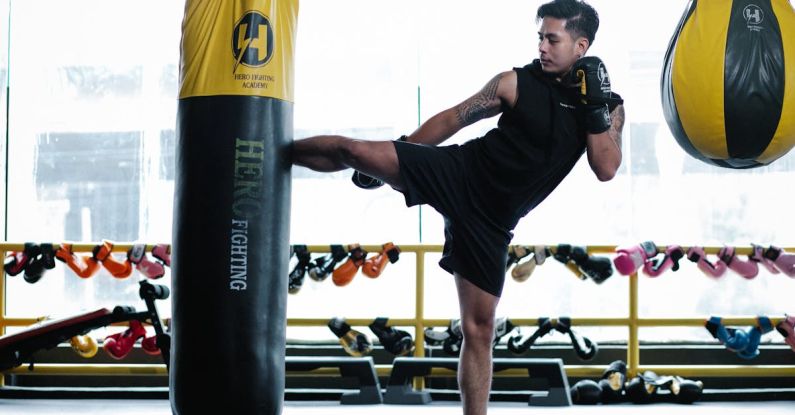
column 617, row 124
column 482, row 105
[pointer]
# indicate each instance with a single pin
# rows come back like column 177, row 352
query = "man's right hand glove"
column 595, row 93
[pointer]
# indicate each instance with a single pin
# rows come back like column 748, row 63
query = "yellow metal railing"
column 632, row 322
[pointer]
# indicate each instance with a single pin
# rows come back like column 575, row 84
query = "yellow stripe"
column 784, row 138
column 698, row 65
column 208, row 63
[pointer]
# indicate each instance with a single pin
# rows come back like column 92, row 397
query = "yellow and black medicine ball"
column 728, row 81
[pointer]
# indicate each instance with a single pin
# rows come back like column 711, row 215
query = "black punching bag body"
column 231, row 207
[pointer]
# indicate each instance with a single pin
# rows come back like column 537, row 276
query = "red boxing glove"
column 119, row 345
column 696, row 254
column 630, row 259
column 149, row 345
column 746, row 269
column 150, row 269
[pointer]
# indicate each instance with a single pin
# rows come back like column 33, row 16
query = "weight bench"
column 400, row 391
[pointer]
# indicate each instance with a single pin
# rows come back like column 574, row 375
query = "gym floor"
column 161, row 407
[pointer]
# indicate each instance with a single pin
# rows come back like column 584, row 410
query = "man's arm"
column 604, row 149
column 488, row 102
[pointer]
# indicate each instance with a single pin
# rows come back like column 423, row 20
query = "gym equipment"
column 661, row 263
column 374, row 266
column 397, row 342
column 734, row 340
column 586, row 392
column 344, row 274
column 39, row 263
column 763, row 326
column 583, row 346
column 520, row 344
column 84, row 346
column 16, row 262
column 726, row 82
column 502, row 328
column 325, row 265
column 82, row 266
column 354, row 342
column 643, row 388
column 746, row 269
column 148, row 268
column 522, row 271
column 452, row 344
column 786, row 328
column 103, row 253
column 296, row 278
column 162, row 252
column 120, row 344
column 232, row 206
column 758, row 256
column 599, row 269
column 631, row 258
column 595, row 93
column 20, row 347
column 715, row 270
column 613, row 381
column 784, row 261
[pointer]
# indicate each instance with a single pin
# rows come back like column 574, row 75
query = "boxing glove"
column 103, row 253
column 84, row 346
column 642, row 387
column 325, row 265
column 374, row 266
column 520, row 344
column 758, row 256
column 452, row 344
column 82, row 266
column 435, row 337
column 594, row 93
column 786, row 328
column 598, row 269
column 148, row 268
column 745, row 269
column 585, row 392
column 734, row 340
column 715, row 270
column 119, row 345
column 296, row 276
column 502, row 327
column 354, row 343
column 149, row 345
column 630, row 259
column 16, row 262
column 612, row 382
column 397, row 342
column 162, row 252
column 562, row 253
column 784, row 261
column 517, row 253
column 344, row 274
column 661, row 263
column 39, row 262
column 583, row 346
column 754, row 334
column 522, row 271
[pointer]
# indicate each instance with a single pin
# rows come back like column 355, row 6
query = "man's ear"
column 582, row 44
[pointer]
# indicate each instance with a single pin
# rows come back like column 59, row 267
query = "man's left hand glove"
column 595, row 93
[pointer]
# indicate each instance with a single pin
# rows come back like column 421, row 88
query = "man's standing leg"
column 478, row 309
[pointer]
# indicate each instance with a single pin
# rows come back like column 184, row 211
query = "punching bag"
column 230, row 247
column 728, row 83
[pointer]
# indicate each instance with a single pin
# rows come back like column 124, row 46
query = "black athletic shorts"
column 476, row 246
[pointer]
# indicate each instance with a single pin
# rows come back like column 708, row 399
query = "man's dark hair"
column 581, row 19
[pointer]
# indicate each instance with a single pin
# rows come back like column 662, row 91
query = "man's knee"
column 478, row 331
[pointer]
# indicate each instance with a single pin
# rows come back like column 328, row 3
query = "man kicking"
column 553, row 111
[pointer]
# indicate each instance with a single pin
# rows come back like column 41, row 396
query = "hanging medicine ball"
column 728, row 81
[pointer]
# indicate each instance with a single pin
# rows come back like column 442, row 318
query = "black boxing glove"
column 594, row 93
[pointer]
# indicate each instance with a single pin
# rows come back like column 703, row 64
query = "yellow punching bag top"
column 238, row 47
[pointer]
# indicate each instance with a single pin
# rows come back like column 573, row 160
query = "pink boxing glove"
column 758, row 256
column 669, row 260
column 787, row 329
column 630, row 259
column 696, row 254
column 163, row 253
column 150, row 269
column 746, row 269
column 784, row 261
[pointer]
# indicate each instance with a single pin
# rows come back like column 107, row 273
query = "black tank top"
column 535, row 145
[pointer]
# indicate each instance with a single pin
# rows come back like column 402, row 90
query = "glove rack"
column 632, row 322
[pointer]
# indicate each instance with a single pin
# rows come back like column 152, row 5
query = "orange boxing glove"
column 374, row 266
column 118, row 269
column 344, row 274
column 83, row 266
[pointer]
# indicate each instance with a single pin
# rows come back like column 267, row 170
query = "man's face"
column 557, row 49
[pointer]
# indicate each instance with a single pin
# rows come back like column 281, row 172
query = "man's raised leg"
column 478, row 309
column 328, row 153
